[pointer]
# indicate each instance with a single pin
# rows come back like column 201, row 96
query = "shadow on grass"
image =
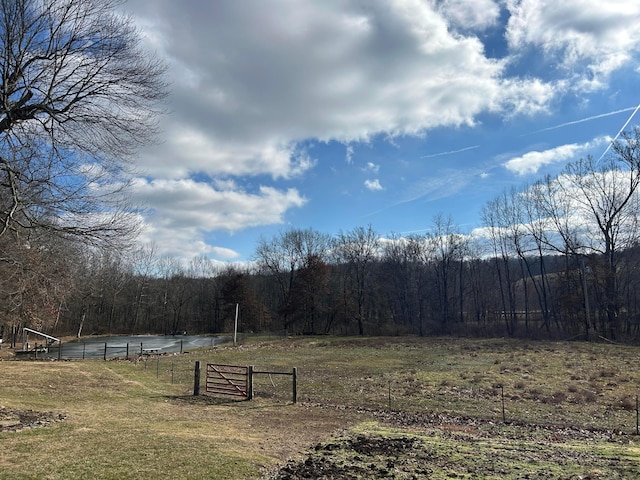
column 211, row 400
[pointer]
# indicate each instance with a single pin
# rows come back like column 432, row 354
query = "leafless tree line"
column 556, row 259
column 78, row 95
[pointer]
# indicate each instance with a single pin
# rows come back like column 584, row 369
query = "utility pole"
column 235, row 328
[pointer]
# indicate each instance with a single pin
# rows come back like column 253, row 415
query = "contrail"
column 451, row 152
column 619, row 132
column 587, row 119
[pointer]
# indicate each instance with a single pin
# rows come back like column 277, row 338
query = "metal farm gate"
column 236, row 380
column 228, row 380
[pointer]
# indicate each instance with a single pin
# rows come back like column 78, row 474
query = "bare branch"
column 78, row 96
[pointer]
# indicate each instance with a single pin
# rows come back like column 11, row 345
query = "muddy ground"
column 422, row 446
column 14, row 420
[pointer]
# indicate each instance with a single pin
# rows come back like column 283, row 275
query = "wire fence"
column 601, row 402
column 268, row 382
column 115, row 347
column 394, row 393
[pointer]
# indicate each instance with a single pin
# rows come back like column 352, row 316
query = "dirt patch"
column 411, row 446
column 414, row 457
column 13, row 420
column 460, row 425
column 366, row 457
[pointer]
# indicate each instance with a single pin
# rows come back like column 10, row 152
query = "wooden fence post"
column 637, row 417
column 196, row 379
column 295, row 385
column 250, row 383
column 105, row 351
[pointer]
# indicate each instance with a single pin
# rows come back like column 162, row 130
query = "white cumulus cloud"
column 598, row 36
column 532, row 162
column 373, row 185
column 470, row 14
column 252, row 79
column 253, row 82
column 182, row 211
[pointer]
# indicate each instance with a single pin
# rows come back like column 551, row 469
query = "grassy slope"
column 124, row 422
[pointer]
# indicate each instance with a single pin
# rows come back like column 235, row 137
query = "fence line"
column 506, row 398
column 294, row 380
column 104, row 351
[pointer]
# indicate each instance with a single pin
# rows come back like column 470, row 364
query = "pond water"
column 123, row 346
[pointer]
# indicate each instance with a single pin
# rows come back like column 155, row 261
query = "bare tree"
column 536, row 256
column 284, row 258
column 445, row 252
column 608, row 202
column 207, row 287
column 497, row 223
column 358, row 249
column 590, row 212
column 404, row 275
column 77, row 95
column 144, row 264
column 34, row 282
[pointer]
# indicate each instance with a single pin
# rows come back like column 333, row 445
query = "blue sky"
column 336, row 114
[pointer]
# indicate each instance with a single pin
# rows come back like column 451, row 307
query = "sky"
column 338, row 114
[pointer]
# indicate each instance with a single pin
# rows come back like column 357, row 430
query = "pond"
column 125, row 346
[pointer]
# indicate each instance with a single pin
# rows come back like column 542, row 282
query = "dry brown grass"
column 122, row 423
column 127, row 420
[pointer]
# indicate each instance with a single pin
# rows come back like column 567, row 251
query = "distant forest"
column 559, row 259
column 305, row 282
column 554, row 259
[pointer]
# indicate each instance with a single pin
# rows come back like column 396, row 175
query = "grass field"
column 367, row 408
